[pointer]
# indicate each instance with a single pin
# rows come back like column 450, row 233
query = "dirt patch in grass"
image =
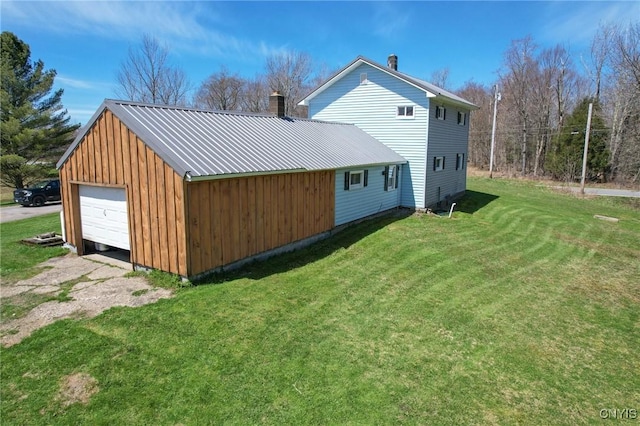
column 77, row 388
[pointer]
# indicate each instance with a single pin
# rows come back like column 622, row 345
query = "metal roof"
column 213, row 143
column 431, row 89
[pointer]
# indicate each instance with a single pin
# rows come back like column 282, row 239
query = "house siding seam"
column 446, row 138
column 356, row 204
column 372, row 108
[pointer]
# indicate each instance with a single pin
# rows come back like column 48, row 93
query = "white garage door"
column 103, row 212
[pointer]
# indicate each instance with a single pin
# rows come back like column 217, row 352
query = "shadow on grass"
column 285, row 262
column 474, row 201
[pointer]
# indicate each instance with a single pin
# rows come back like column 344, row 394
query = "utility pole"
column 496, row 98
column 586, row 149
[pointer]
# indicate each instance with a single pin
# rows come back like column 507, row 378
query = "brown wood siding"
column 231, row 219
column 111, row 154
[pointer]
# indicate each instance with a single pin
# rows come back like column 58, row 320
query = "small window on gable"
column 405, row 111
column 462, row 118
column 355, row 179
column 391, row 177
column 441, row 112
column 363, row 78
column 460, row 162
column 438, row 164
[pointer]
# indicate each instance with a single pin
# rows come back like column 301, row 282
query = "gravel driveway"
column 10, row 213
column 92, row 287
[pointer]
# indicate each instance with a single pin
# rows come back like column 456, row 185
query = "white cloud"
column 577, row 22
column 389, row 18
column 184, row 26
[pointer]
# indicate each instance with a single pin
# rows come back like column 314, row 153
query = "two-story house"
column 425, row 124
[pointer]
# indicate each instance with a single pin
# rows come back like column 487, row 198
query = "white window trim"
column 462, row 115
column 404, row 116
column 460, row 161
column 439, row 160
column 391, row 184
column 360, row 185
column 441, row 112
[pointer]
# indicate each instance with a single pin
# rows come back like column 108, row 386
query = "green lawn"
column 522, row 309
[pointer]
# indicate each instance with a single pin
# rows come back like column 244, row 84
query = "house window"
column 391, row 177
column 355, row 179
column 441, row 112
column 405, row 111
column 460, row 162
column 462, row 118
column 438, row 164
column 363, row 78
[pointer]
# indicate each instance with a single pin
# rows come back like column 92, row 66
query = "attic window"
column 462, row 118
column 441, row 112
column 405, row 111
column 363, row 78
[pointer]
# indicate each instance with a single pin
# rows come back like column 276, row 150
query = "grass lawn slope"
column 521, row 309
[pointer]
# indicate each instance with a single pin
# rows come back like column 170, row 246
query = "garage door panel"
column 103, row 212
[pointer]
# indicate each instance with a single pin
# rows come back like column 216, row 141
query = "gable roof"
column 207, row 143
column 431, row 90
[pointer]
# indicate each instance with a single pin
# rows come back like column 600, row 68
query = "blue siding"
column 446, row 138
column 358, row 203
column 372, row 107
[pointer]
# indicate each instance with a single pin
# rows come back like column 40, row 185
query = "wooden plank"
column 104, row 149
column 293, row 192
column 145, row 219
column 281, row 210
column 136, row 206
column 274, row 212
column 313, row 203
column 111, row 148
column 181, row 228
column 307, row 204
column 244, row 234
column 170, row 209
column 225, row 221
column 118, row 151
column 82, row 146
column 260, row 214
column 331, row 208
column 75, row 214
column 65, row 194
column 252, row 216
column 206, row 243
column 163, row 238
column 268, row 216
column 215, row 202
column 153, row 208
column 235, row 219
column 321, row 201
column 300, row 205
column 94, row 146
column 195, row 233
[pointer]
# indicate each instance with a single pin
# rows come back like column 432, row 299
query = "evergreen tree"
column 566, row 154
column 34, row 126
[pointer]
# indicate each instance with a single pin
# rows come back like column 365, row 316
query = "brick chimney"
column 392, row 62
column 276, row 104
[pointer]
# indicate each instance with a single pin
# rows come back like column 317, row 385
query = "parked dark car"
column 38, row 194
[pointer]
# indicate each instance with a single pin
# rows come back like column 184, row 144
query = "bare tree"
column 255, row 95
column 290, row 74
column 441, row 78
column 480, row 123
column 147, row 76
column 520, row 67
column 221, row 91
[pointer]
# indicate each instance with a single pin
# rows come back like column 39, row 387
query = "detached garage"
column 189, row 191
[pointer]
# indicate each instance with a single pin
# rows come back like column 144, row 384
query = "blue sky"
column 86, row 41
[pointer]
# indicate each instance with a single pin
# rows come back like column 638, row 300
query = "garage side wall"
column 111, row 155
column 232, row 219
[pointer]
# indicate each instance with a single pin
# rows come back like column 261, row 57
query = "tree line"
column 541, row 111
